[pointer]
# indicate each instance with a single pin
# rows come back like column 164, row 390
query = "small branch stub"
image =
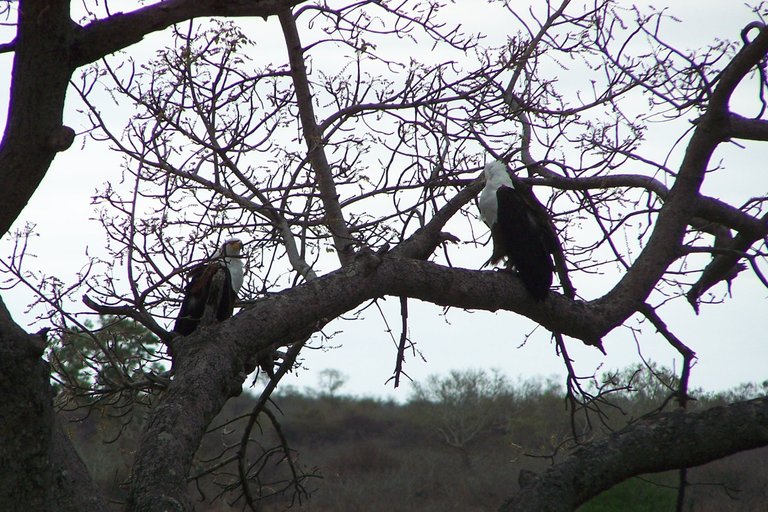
column 61, row 138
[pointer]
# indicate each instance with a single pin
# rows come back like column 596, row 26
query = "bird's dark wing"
column 524, row 240
column 228, row 297
column 195, row 295
column 549, row 233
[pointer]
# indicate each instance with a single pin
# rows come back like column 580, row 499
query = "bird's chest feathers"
column 489, row 204
column 235, row 266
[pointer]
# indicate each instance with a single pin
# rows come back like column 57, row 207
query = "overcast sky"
column 730, row 339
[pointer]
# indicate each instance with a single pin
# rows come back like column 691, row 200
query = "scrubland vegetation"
column 458, row 444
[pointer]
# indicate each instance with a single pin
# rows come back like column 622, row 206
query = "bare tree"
column 350, row 168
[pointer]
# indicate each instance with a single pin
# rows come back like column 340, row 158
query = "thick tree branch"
column 663, row 245
column 749, row 129
column 74, row 490
column 423, row 242
column 34, row 132
column 751, row 55
column 210, row 363
column 8, row 47
column 26, row 405
column 103, row 37
column 708, row 209
column 658, row 443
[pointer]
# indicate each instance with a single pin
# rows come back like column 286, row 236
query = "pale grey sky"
column 730, row 339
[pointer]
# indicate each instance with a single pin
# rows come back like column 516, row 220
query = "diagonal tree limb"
column 127, row 311
column 663, row 246
column 708, row 209
column 658, row 443
column 334, row 217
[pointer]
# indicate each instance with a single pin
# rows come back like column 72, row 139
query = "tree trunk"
column 26, row 420
column 41, row 471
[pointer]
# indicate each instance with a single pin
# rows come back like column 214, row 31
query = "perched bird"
column 518, row 230
column 196, row 294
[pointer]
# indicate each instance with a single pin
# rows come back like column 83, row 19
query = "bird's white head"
column 496, row 174
column 231, row 248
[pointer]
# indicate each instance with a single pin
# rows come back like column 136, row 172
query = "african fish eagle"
column 198, row 287
column 517, row 230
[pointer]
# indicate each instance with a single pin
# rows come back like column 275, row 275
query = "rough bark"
column 73, row 489
column 211, row 371
column 659, row 443
column 26, row 418
column 207, row 374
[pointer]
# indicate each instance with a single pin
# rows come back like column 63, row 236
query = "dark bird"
column 200, row 278
column 518, row 231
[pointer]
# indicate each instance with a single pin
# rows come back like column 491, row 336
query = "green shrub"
column 654, row 494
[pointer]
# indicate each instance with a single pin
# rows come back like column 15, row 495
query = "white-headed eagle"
column 198, row 288
column 518, row 231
